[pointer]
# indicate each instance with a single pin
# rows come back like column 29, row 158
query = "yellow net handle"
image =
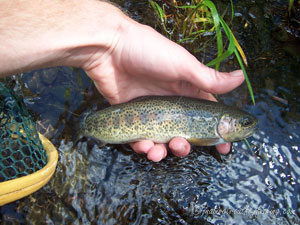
column 15, row 189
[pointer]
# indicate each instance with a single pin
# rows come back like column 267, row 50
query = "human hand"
column 125, row 59
column 143, row 62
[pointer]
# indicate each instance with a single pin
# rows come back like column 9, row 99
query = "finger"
column 180, row 147
column 213, row 81
column 185, row 88
column 224, row 148
column 141, row 147
column 157, row 152
column 207, row 96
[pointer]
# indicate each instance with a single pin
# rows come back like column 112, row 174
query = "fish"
column 161, row 118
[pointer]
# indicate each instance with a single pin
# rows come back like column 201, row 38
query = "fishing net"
column 21, row 151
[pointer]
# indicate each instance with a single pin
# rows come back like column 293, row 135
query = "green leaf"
column 248, row 145
column 216, row 19
column 230, row 49
column 231, row 37
column 245, row 75
column 232, row 11
column 291, row 3
column 158, row 10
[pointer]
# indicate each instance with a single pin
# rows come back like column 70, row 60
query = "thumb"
column 213, row 81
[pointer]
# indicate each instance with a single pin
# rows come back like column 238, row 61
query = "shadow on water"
column 113, row 185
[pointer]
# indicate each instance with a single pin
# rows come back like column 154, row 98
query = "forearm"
column 54, row 33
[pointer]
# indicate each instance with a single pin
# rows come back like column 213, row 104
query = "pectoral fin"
column 206, row 141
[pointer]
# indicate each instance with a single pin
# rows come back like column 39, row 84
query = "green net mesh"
column 21, row 151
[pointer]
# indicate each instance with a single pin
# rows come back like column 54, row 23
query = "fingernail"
column 237, row 73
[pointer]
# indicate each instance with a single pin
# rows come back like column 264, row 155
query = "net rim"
column 15, row 189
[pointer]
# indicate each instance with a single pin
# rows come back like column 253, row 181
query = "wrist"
column 94, row 36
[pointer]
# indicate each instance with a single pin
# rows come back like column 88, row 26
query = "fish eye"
column 245, row 121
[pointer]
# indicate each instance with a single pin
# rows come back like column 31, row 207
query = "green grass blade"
column 196, row 8
column 216, row 19
column 186, row 7
column 232, row 11
column 230, row 49
column 225, row 55
column 245, row 75
column 249, row 146
column 291, row 3
column 188, row 18
column 186, row 39
column 231, row 37
column 220, row 58
column 237, row 45
column 158, row 10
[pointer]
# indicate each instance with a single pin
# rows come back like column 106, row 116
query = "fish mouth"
column 250, row 132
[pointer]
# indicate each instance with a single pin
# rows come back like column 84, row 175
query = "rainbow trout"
column 161, row 118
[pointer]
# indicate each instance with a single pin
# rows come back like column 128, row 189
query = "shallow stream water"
column 113, row 185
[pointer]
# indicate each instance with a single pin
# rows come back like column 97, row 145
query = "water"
column 113, row 185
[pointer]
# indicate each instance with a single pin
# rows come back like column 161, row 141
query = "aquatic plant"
column 190, row 21
column 291, row 3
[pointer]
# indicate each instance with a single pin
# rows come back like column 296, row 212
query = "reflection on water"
column 113, row 185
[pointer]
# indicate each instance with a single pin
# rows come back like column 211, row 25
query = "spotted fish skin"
column 161, row 118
